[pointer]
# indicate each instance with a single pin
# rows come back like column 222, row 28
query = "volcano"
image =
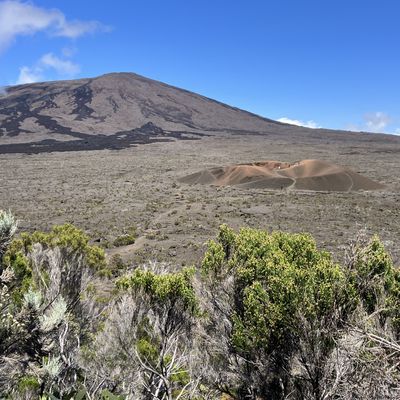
column 119, row 110
column 112, row 111
column 305, row 175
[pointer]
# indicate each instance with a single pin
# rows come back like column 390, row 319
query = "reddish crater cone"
column 305, row 175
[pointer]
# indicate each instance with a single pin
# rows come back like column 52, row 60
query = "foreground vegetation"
column 265, row 316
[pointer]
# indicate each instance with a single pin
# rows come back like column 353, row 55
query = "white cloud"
column 63, row 68
column 3, row 91
column 75, row 29
column 28, row 75
column 307, row 124
column 376, row 121
column 353, row 128
column 23, row 18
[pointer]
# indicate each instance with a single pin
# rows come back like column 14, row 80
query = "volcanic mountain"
column 118, row 110
column 113, row 110
column 306, row 175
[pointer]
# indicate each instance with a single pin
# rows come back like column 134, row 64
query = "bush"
column 8, row 227
column 267, row 316
column 127, row 238
column 47, row 311
column 69, row 239
column 124, row 240
column 152, row 322
column 278, row 307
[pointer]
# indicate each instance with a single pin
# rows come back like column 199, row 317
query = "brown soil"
column 306, row 175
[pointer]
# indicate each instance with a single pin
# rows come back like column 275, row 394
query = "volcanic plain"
column 110, row 191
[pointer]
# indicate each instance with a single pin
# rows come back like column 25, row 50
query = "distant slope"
column 111, row 104
column 120, row 109
column 306, row 175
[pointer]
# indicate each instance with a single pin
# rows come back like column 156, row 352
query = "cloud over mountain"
column 36, row 73
column 309, row 124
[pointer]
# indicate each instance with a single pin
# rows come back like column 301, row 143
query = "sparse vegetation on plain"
column 129, row 199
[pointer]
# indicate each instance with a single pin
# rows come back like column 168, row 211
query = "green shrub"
column 127, row 238
column 124, row 240
column 28, row 383
column 170, row 290
column 284, row 296
column 69, row 239
column 47, row 310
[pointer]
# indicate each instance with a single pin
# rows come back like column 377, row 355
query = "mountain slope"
column 117, row 110
column 111, row 104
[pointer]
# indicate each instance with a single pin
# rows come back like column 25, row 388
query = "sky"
column 318, row 63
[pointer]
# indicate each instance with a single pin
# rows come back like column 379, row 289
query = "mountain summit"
column 119, row 110
column 114, row 106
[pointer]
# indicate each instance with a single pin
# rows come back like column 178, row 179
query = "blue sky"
column 328, row 63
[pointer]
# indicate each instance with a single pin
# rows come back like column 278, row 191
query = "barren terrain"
column 109, row 154
column 107, row 192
